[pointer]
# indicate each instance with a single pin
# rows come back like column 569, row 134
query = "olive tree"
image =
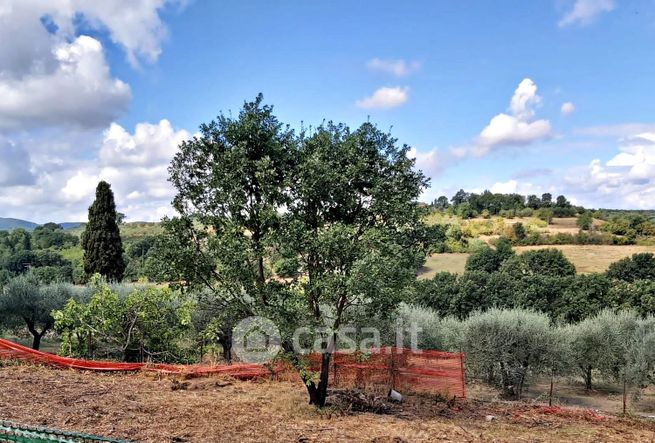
column 24, row 302
column 507, row 346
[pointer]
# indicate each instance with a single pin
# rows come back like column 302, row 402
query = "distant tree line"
column 543, row 280
column 38, row 252
column 470, row 204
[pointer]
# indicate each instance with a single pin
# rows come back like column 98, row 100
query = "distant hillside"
column 7, row 224
column 70, row 225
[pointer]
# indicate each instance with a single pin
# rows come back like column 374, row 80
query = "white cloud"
column 57, row 95
column 63, row 186
column 517, row 127
column 79, row 186
column 150, row 144
column 584, row 12
column 508, row 187
column 505, row 129
column 134, row 25
column 524, row 100
column 627, row 180
column 567, row 108
column 434, row 161
column 398, row 68
column 79, row 92
column 385, row 98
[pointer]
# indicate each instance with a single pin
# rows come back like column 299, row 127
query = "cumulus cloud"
column 50, row 75
column 80, row 91
column 626, row 180
column 62, row 185
column 150, row 144
column 567, row 108
column 517, row 127
column 435, row 161
column 385, row 98
column 134, row 25
column 58, row 95
column 584, row 12
column 136, row 164
column 508, row 187
column 398, row 67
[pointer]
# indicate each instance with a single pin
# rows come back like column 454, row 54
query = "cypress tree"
column 101, row 240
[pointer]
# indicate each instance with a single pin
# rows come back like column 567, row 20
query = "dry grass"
column 147, row 409
column 586, row 258
column 593, row 258
column 453, row 263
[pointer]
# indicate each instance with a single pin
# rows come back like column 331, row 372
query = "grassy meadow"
column 586, row 258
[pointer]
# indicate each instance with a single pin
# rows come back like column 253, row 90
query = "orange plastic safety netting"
column 14, row 351
column 382, row 369
column 401, row 369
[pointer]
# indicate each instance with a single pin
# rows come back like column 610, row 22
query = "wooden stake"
column 624, row 396
column 550, row 395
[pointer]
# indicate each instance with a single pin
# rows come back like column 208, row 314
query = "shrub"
column 547, row 262
column 145, row 323
column 638, row 267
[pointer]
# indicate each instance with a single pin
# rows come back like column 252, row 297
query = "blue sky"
column 530, row 97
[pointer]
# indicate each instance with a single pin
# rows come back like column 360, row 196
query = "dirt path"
column 148, row 409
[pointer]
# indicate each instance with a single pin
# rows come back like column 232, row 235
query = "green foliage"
column 631, row 224
column 339, row 207
column 585, row 221
column 505, row 347
column 585, row 296
column 25, row 303
column 437, row 292
column 52, row 235
column 519, row 231
column 490, row 260
column 146, row 324
column 638, row 267
column 101, row 240
column 547, row 262
column 546, row 214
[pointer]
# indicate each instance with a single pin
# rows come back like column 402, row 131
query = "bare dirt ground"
column 151, row 409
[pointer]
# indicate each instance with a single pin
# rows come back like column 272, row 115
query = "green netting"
column 13, row 432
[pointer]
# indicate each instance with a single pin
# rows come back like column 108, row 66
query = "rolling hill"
column 7, row 224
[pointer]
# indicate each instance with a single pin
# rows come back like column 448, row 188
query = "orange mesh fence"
column 404, row 370
column 401, row 369
column 14, row 351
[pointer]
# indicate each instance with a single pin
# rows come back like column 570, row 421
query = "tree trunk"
column 36, row 342
column 587, row 378
column 225, row 339
column 36, row 335
column 318, row 394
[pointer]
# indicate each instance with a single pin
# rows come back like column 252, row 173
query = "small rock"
column 490, row 417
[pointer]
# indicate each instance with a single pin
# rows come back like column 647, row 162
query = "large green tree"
column 101, row 240
column 354, row 224
column 338, row 208
column 230, row 183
